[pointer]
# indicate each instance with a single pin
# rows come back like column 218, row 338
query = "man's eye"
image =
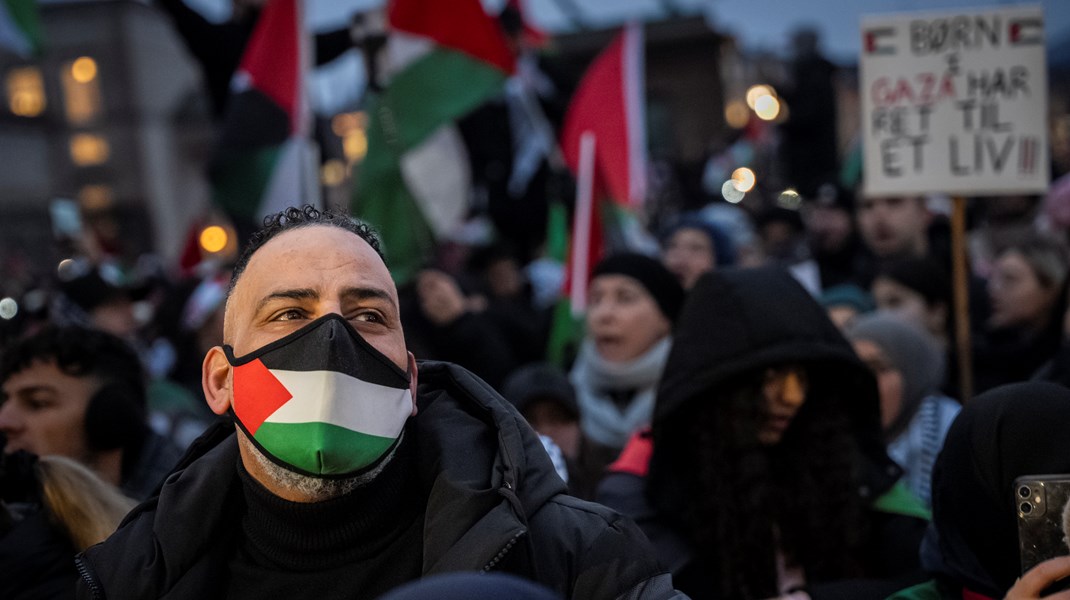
column 369, row 317
column 290, row 315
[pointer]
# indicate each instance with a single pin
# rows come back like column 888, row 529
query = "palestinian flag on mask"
column 264, row 161
column 299, row 409
column 446, row 59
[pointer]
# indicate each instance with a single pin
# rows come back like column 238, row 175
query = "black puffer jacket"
column 494, row 503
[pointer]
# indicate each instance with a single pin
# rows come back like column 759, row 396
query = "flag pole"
column 581, row 225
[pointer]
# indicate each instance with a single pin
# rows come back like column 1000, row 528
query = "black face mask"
column 321, row 401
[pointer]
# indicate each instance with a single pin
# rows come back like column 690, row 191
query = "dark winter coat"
column 36, row 559
column 1005, row 433
column 494, row 502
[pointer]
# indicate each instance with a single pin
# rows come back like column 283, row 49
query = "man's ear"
column 412, row 381
column 216, row 380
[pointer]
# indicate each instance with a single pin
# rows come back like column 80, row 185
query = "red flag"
column 607, row 111
column 609, row 103
column 272, row 58
column 263, row 161
column 191, row 251
column 460, row 25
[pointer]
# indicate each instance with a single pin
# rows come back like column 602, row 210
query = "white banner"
column 955, row 102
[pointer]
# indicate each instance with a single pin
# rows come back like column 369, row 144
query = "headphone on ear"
column 115, row 417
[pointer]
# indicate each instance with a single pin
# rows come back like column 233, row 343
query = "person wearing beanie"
column 915, row 417
column 845, row 303
column 543, row 395
column 765, row 474
column 692, row 246
column 632, row 303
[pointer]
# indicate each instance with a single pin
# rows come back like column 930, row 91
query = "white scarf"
column 601, row 419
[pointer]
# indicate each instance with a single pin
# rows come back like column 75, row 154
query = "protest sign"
column 955, row 102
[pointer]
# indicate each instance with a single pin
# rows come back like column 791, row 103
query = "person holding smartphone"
column 972, row 548
column 1031, row 586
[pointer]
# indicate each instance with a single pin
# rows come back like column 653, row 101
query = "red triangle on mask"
column 257, row 394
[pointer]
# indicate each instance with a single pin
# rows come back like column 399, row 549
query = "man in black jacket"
column 345, row 478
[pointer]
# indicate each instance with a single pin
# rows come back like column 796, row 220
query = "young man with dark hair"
column 80, row 393
column 345, row 475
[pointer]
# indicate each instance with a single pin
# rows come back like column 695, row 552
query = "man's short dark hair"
column 116, row 414
column 296, row 218
column 78, row 352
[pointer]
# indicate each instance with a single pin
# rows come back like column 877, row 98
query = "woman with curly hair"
column 764, row 474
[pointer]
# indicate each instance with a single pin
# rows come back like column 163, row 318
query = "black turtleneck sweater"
column 357, row 546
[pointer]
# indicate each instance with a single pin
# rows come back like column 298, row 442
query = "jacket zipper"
column 501, row 553
column 83, row 570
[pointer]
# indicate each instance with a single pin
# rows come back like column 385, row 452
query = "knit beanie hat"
column 847, row 295
column 651, row 274
column 724, row 249
column 538, row 382
column 912, row 351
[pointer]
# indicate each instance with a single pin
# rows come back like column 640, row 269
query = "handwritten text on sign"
column 955, row 102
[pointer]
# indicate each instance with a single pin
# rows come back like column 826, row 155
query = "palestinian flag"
column 306, row 405
column 604, row 145
column 20, row 27
column 608, row 104
column 264, row 161
column 414, row 184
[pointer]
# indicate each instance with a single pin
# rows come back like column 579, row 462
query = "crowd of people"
column 743, row 436
column 768, row 400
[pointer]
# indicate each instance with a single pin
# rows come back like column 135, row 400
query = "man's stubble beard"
column 314, row 489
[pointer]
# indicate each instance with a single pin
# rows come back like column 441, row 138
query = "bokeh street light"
column 213, row 238
column 767, row 108
column 743, row 179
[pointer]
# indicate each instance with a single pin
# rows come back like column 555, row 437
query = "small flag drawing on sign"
column 1026, row 32
column 877, row 41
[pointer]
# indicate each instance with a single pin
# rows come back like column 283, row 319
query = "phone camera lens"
column 1026, row 508
column 1024, row 491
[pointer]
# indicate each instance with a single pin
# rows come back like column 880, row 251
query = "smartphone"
column 1041, row 504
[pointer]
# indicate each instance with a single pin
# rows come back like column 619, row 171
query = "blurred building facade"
column 113, row 116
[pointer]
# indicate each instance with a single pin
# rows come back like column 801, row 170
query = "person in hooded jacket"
column 764, row 474
column 351, row 469
column 915, row 416
column 971, row 549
